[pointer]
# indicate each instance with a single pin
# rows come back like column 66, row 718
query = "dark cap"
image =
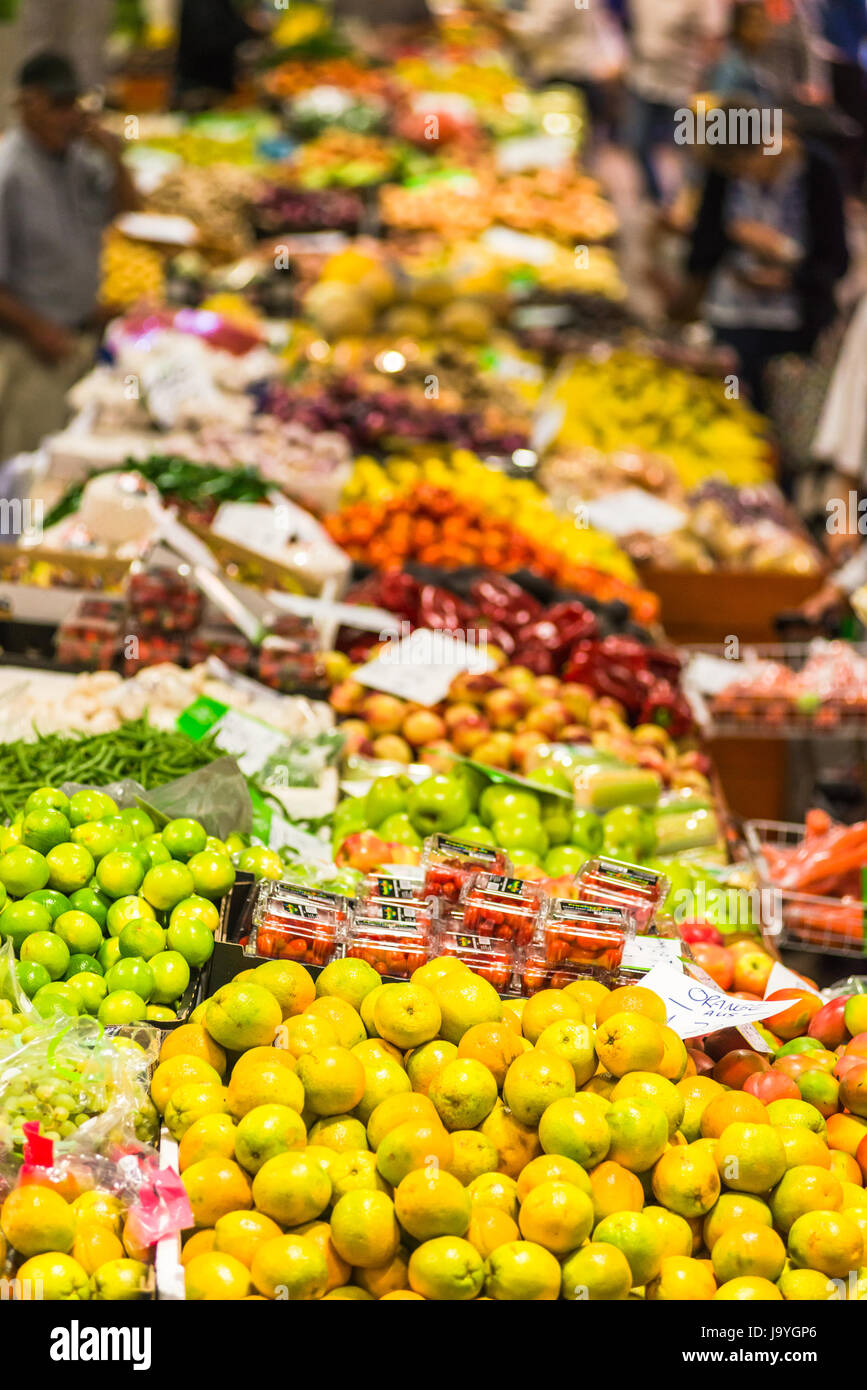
column 53, row 75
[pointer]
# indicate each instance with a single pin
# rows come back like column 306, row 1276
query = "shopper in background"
column 75, row 29
column 210, row 32
column 768, row 247
column 671, row 43
column 744, row 64
column 844, row 28
column 62, row 181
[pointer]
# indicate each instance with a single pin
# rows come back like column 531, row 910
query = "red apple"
column 468, row 733
column 771, row 1085
column 356, row 734
column 716, row 961
column 702, row 933
column 392, row 749
column 504, row 708
column 347, row 697
column 422, row 726
column 384, row 713
column 578, row 700
column 734, row 1068
column 549, row 718
column 455, row 714
column 752, row 971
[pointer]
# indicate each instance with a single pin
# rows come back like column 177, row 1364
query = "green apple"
column 550, row 779
column 386, row 797
column 502, row 801
column 557, row 822
column 474, row 833
column 520, row 830
column 629, row 827
column 475, row 781
column 438, row 805
column 587, row 832
column 398, row 830
column 350, row 814
column 524, row 859
column 563, row 860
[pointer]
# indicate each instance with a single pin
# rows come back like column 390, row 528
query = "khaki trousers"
column 33, row 394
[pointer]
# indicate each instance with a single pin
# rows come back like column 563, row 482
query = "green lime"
column 126, row 910
column 183, row 838
column 31, row 976
column 235, row 843
column 131, row 973
column 122, row 830
column 198, row 908
column 153, row 850
column 47, row 948
column 47, row 797
column 90, row 989
column 139, row 821
column 4, row 896
column 80, row 931
column 109, row 953
column 213, row 874
column 166, row 884
column 44, row 828
column 82, row 963
column 142, row 937
column 97, row 837
column 23, row 871
column 71, row 867
column 120, row 873
column 216, row 846
column 122, row 1006
column 56, row 998
column 158, row 1013
column 90, row 805
column 55, row 902
column 91, row 901
column 192, row 940
column 18, row 920
column 171, row 975
column 10, row 836
column 261, row 863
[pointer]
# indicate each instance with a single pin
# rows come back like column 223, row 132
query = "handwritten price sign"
column 693, row 1007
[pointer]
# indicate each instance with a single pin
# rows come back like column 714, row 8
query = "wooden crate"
column 725, row 603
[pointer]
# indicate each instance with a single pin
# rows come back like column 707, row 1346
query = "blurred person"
column 210, row 32
column 743, row 65
column 671, row 42
column 795, row 50
column 768, row 246
column 62, row 181
column 844, row 28
column 74, row 29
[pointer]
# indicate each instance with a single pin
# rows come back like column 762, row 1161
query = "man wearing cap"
column 62, row 181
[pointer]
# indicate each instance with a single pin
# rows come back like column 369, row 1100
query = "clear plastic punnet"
column 496, row 961
column 164, row 598
column 618, row 884
column 536, row 972
column 90, row 634
column 295, row 923
column 450, row 864
column 590, row 935
column 396, row 947
column 391, row 888
column 504, row 907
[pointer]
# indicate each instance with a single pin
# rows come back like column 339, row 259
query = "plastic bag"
column 85, row 1086
column 216, row 795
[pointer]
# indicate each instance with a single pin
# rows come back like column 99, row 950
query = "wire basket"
column 805, row 921
column 756, row 715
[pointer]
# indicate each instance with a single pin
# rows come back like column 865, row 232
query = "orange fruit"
column 731, row 1208
column 697, row 1093
column 533, row 1081
column 573, row 1041
column 746, row 1249
column 844, row 1166
column 801, row 1190
column 192, row 1040
column 493, row 1044
column 523, row 1271
column 686, row 1181
column 576, row 1129
column 464, row 1000
column 598, row 1272
column 199, row 1243
column 801, row 1145
column 94, row 1246
column 242, row 1016
column 515, row 1142
column 192, row 1102
column 240, row 1233
column 681, row 1279
column 549, row 1006
column 266, row 1131
column 829, row 1241
column 407, row 1015
column 448, row 1268
column 210, row 1134
column 214, row 1277
column 634, row 999
column 590, row 993
column 629, row 1042
column 807, row 1286
column 675, row 1231
column 333, row 1080
column 398, row 1110
column 304, row 1032
column 553, row 1168
column 639, row 1237
column 423, row 1063
column 845, row 1132
column 473, row 1154
column 364, row 1229
column 639, row 1133
column 386, row 1280
column 489, row 1228
column 729, row 1108
column 414, row 1144
column 675, row 1058
column 748, row 1288
column 346, row 1021
column 292, row 1264
column 339, row 1271
column 264, row 1082
column 353, row 1169
column 432, row 1204
column 750, row 1157
column 215, row 1186
column 291, row 1188
column 463, row 1093
column 36, row 1220
column 556, row 1215
column 495, row 1190
column 614, row 1188
column 643, row 1085
column 179, row 1070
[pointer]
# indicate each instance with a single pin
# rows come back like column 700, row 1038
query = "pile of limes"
column 106, row 915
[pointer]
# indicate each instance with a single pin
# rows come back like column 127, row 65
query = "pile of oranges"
column 429, row 1140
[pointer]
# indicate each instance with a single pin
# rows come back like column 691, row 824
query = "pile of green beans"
column 151, row 756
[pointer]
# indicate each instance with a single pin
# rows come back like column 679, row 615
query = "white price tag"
column 518, row 246
column 422, row 666
column 644, row 952
column 631, row 510
column 781, row 977
column 694, row 1008
column 249, row 741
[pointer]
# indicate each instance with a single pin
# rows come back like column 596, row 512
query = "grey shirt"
column 53, row 212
